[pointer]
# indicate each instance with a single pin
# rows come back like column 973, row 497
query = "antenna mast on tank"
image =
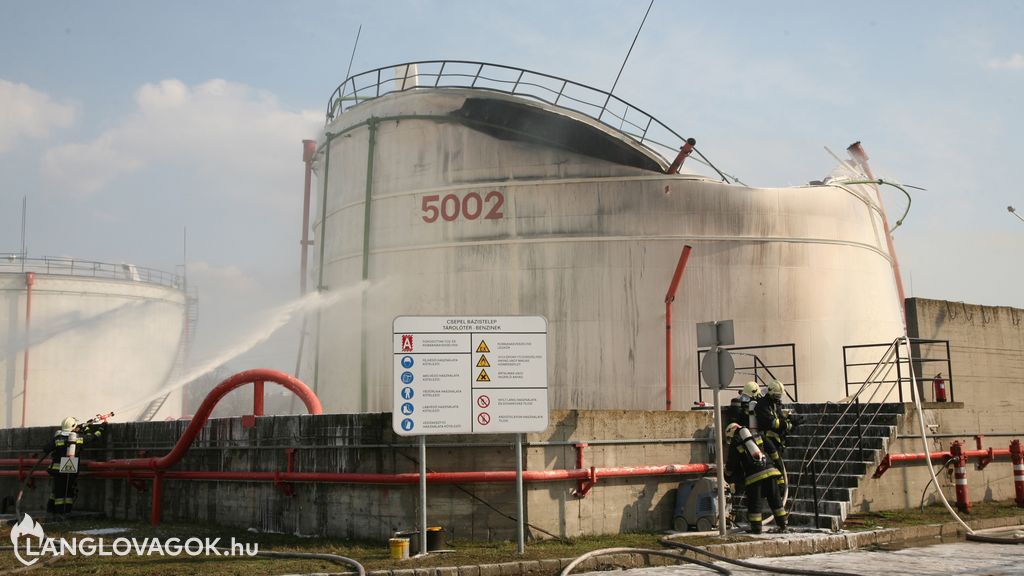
column 624, row 60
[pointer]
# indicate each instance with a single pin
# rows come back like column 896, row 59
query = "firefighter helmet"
column 68, row 424
column 731, row 429
column 775, row 389
column 751, row 389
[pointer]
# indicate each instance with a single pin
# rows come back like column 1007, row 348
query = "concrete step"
column 843, row 430
column 834, row 454
column 837, row 481
column 832, row 408
column 828, row 469
column 824, row 520
column 797, row 444
column 881, row 419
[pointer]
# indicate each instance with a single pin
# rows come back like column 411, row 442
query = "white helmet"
column 68, row 424
column 775, row 389
column 751, row 389
column 731, row 429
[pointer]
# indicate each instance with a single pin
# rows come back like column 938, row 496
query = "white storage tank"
column 98, row 335
column 452, row 199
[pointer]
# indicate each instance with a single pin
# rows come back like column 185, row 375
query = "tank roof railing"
column 606, row 108
column 15, row 263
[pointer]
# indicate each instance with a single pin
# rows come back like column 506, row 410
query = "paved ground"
column 962, row 559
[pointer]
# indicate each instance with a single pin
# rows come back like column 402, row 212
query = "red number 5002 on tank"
column 470, row 207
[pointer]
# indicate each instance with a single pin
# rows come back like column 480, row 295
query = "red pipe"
column 983, row 455
column 158, row 497
column 484, row 477
column 858, row 153
column 670, row 297
column 963, row 500
column 1018, row 472
column 308, row 152
column 203, row 413
column 257, row 398
column 30, row 280
column 684, row 153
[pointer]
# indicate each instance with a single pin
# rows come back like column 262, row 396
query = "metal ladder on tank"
column 188, row 335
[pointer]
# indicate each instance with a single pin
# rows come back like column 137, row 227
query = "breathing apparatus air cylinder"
column 72, row 443
column 750, row 444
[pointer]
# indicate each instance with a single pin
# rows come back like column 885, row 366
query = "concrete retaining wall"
column 365, row 443
column 987, row 352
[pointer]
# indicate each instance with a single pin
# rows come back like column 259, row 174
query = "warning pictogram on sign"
column 483, row 377
column 483, row 401
column 482, row 362
column 69, row 465
column 482, row 347
column 406, row 342
column 483, row 418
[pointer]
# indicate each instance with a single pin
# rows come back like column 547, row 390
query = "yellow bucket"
column 399, row 548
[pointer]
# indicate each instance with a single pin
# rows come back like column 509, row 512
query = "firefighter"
column 67, row 442
column 741, row 408
column 774, row 423
column 748, row 468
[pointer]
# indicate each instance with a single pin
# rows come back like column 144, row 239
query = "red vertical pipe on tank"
column 30, row 280
column 858, row 153
column 670, row 297
column 308, row 151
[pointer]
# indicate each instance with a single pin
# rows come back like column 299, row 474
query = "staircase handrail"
column 883, row 365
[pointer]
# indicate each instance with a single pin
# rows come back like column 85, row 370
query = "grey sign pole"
column 718, row 370
column 520, row 521
column 423, row 494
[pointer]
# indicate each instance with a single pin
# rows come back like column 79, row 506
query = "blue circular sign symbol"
column 407, row 377
column 407, row 393
column 407, row 362
column 407, row 424
column 407, row 408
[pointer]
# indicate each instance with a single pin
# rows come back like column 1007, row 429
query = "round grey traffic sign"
column 718, row 374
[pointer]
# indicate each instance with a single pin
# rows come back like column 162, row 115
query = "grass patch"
column 373, row 555
column 934, row 514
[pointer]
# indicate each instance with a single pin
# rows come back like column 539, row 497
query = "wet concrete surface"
column 960, row 558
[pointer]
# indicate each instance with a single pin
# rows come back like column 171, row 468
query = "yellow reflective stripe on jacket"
column 757, row 477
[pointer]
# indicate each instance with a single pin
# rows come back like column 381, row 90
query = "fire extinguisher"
column 940, row 388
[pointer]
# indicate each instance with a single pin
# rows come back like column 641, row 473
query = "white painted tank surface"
column 487, row 203
column 99, row 335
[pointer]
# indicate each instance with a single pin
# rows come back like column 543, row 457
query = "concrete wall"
column 365, row 443
column 987, row 352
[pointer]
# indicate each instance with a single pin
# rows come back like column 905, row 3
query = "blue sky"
column 125, row 122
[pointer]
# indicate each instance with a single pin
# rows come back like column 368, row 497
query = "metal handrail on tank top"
column 604, row 107
column 58, row 266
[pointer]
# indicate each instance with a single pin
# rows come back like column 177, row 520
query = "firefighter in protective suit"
column 68, row 442
column 774, row 424
column 741, row 408
column 749, row 468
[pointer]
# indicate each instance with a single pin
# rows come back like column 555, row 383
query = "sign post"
column 718, row 369
column 470, row 375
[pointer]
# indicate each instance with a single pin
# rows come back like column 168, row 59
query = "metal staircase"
column 822, row 487
column 837, row 444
